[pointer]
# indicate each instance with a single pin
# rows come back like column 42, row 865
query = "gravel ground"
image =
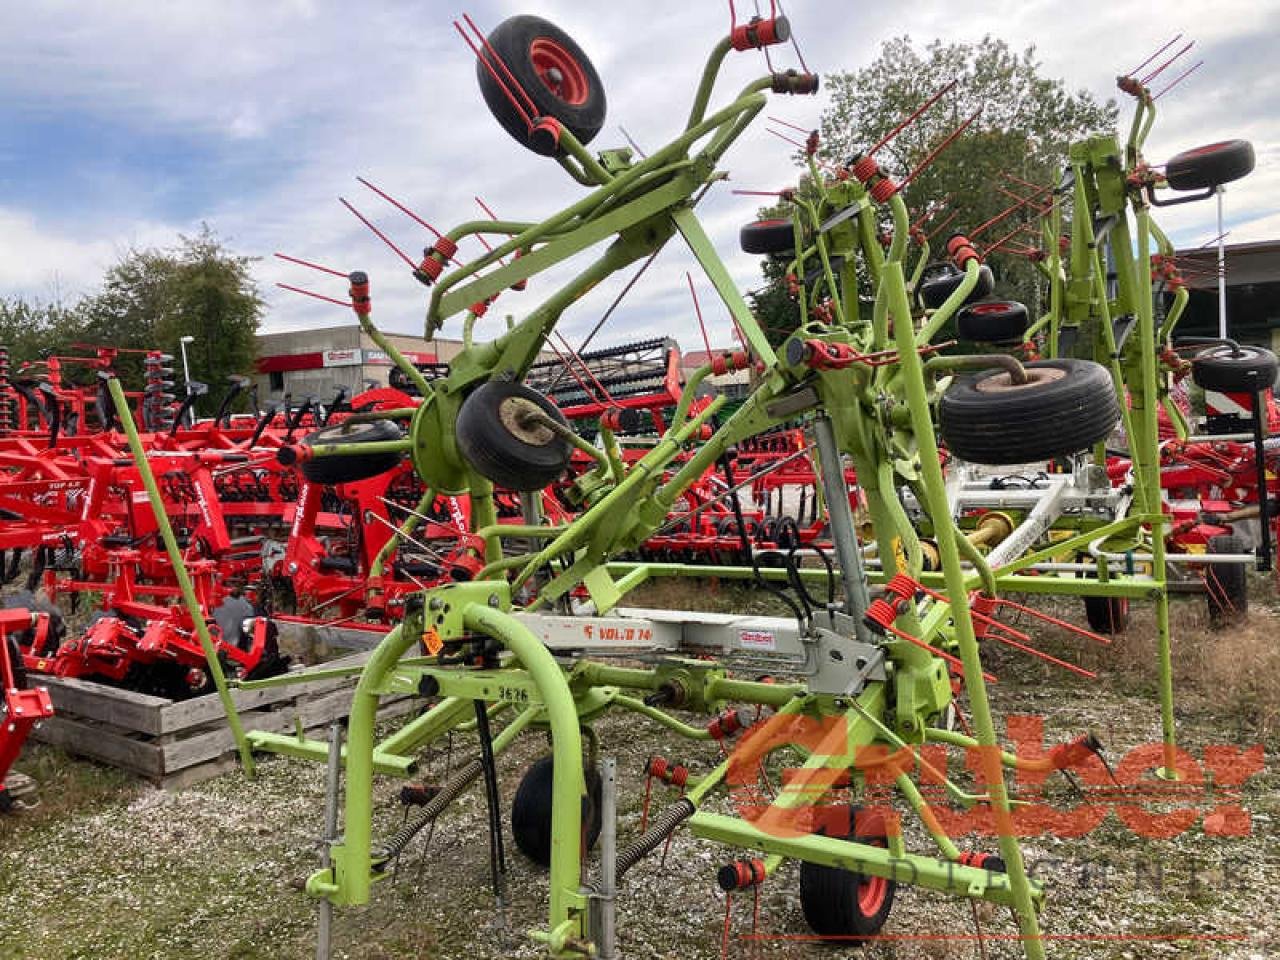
column 109, row 867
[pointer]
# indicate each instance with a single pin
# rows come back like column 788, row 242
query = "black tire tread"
column 1058, row 418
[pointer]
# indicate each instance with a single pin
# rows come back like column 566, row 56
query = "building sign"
column 342, row 358
column 379, row 358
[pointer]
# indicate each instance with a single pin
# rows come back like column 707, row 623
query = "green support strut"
column 180, row 573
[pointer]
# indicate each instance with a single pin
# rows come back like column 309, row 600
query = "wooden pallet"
column 177, row 743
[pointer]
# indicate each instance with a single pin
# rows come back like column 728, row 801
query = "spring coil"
column 449, row 791
column 664, row 824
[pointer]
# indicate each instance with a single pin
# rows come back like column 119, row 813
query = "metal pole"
column 1222, row 270
column 334, row 774
column 186, row 378
column 606, row 936
column 857, row 599
column 1260, row 475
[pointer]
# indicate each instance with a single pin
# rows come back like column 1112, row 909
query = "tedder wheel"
column 531, row 811
column 1107, row 614
column 842, row 903
column 361, row 466
column 767, row 236
column 992, row 321
column 498, row 438
column 1228, row 596
column 1223, row 368
column 1065, row 406
column 933, row 293
column 1209, row 166
column 554, row 72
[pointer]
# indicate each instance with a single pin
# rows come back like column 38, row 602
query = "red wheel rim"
column 559, row 71
column 871, row 894
column 996, row 306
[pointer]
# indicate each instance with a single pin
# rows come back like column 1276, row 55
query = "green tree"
column 1026, row 125
column 33, row 331
column 152, row 298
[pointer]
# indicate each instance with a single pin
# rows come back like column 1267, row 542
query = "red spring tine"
column 954, row 661
column 933, row 154
column 319, row 296
column 1065, row 625
column 783, row 136
column 378, row 233
column 942, row 226
column 574, row 373
column 1165, row 66
column 706, row 341
column 1135, row 70
column 400, row 206
column 582, row 363
column 912, row 117
column 313, row 266
column 524, row 114
column 793, row 126
column 1182, row 76
column 533, row 109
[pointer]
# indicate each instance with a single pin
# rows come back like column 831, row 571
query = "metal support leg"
column 332, row 779
column 836, row 493
column 606, row 889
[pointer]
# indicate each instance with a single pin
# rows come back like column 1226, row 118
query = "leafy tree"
column 32, row 331
column 1025, row 127
column 152, row 298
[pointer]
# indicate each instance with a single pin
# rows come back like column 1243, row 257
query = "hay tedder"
column 536, row 635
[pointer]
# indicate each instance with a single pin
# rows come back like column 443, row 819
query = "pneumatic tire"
column 356, row 467
column 842, row 903
column 502, row 446
column 933, row 293
column 557, row 76
column 1065, row 406
column 773, row 236
column 1210, row 166
column 1224, row 369
column 531, row 811
column 1228, row 586
column 992, row 321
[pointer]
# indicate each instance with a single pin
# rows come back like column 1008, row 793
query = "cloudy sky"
column 128, row 122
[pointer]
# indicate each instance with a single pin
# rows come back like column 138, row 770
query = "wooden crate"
column 179, row 742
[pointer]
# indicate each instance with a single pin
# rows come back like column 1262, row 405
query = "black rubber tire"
column 772, row 236
column 1066, row 406
column 531, row 811
column 486, row 441
column 1228, row 596
column 350, row 469
column 1219, row 368
column 933, row 293
column 527, row 45
column 1107, row 615
column 1210, row 165
column 834, row 901
column 992, row 321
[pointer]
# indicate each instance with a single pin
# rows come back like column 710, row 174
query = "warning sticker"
column 757, row 639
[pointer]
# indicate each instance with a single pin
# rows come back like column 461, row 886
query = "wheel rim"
column 871, row 894
column 517, row 416
column 1002, row 382
column 559, row 71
